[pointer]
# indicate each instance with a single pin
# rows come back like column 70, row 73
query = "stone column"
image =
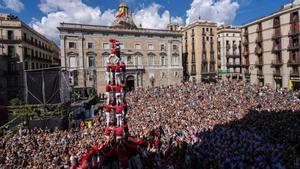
column 180, row 55
column 169, row 54
column 80, row 47
column 62, row 51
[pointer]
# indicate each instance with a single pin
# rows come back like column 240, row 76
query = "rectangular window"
column 162, row 61
column 72, row 62
column 175, row 47
column 138, row 60
column 137, row 46
column 90, row 45
column 162, row 47
column 150, row 47
column 10, row 35
column 92, row 62
column 122, row 46
column 11, row 51
column 175, row 60
column 72, row 45
column 150, row 60
column 106, row 46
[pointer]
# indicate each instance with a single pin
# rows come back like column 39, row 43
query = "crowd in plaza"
column 189, row 125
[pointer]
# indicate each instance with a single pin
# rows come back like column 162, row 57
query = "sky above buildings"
column 45, row 15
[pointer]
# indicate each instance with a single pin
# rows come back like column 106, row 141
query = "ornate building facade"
column 271, row 48
column 200, row 51
column 229, row 52
column 153, row 57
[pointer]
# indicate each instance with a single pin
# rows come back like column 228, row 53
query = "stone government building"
column 153, row 57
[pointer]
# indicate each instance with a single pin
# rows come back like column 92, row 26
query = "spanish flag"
column 121, row 12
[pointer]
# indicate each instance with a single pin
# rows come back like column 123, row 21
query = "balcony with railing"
column 247, row 73
column 258, row 50
column 276, row 48
column 246, row 42
column 294, row 31
column 259, row 63
column 276, row 35
column 294, row 62
column 294, row 19
column 212, row 60
column 259, row 39
column 232, row 55
column 259, row 29
column 277, row 62
column 228, row 46
column 246, row 63
column 204, row 59
column 260, row 73
column 246, row 32
column 294, row 73
column 10, row 39
column 246, row 52
column 233, row 64
column 277, row 73
column 276, row 23
column 293, row 46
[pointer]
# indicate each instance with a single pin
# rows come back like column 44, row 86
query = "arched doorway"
column 130, row 83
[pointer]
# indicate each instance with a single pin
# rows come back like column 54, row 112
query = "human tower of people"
column 117, row 151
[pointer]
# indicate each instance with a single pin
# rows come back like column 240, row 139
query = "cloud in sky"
column 15, row 5
column 220, row 11
column 150, row 17
column 76, row 11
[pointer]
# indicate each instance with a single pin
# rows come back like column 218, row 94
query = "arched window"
column 138, row 60
column 163, row 60
column 175, row 60
column 105, row 58
column 72, row 62
column 92, row 61
column 150, row 59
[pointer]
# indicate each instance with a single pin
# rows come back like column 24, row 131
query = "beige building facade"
column 229, row 52
column 200, row 51
column 153, row 57
column 21, row 48
column 271, row 49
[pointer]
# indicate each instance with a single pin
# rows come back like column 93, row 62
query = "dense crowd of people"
column 189, row 125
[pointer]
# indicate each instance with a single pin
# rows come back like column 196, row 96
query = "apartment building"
column 271, row 48
column 21, row 48
column 229, row 52
column 200, row 51
column 153, row 57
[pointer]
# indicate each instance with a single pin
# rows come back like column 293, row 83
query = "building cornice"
column 109, row 29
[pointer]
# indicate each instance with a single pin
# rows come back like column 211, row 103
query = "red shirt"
column 108, row 108
column 117, row 68
column 107, row 87
column 118, row 109
column 117, row 88
column 107, row 131
column 118, row 131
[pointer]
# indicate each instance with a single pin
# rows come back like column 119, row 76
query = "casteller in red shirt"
column 117, row 89
column 108, row 108
column 107, row 131
column 118, row 109
column 118, row 131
